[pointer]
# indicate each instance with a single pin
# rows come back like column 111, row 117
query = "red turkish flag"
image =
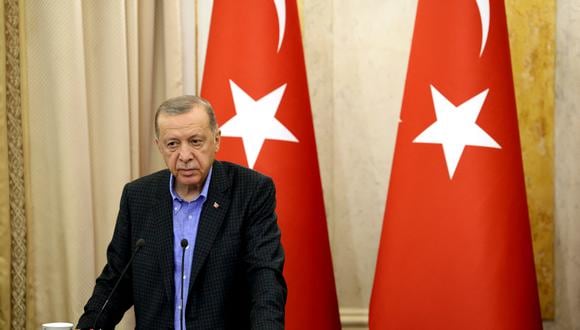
column 255, row 78
column 455, row 251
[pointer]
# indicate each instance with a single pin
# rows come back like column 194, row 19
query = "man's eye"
column 172, row 145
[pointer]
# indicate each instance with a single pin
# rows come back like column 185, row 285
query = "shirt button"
column 184, row 277
column 179, row 307
column 190, row 217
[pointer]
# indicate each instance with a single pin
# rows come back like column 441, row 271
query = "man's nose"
column 185, row 153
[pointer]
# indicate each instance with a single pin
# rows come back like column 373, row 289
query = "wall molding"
column 16, row 166
column 354, row 318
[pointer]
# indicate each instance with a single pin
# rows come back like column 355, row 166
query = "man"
column 219, row 218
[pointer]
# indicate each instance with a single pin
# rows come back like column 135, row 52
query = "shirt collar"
column 203, row 193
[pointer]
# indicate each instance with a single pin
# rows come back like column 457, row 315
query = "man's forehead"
column 195, row 117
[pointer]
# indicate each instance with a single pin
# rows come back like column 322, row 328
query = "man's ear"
column 218, row 136
column 156, row 142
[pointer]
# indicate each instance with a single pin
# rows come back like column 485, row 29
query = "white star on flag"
column 455, row 128
column 255, row 121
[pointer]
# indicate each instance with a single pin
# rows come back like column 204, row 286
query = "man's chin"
column 188, row 180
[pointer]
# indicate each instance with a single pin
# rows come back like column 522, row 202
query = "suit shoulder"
column 237, row 172
column 150, row 182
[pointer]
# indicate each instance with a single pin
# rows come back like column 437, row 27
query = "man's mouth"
column 186, row 171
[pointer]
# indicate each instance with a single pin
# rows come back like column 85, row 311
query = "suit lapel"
column 211, row 219
column 162, row 216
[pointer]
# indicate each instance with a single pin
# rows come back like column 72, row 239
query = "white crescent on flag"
column 483, row 6
column 281, row 12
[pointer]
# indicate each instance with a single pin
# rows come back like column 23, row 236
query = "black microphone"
column 184, row 244
column 138, row 245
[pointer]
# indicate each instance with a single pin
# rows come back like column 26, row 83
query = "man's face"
column 188, row 147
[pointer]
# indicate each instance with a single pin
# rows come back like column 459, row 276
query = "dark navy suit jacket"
column 236, row 279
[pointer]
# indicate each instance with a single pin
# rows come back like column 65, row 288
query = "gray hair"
column 183, row 104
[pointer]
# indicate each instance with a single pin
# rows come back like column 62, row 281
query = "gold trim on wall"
column 15, row 136
column 4, row 191
column 532, row 41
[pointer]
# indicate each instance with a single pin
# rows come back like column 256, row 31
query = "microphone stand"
column 138, row 245
column 184, row 244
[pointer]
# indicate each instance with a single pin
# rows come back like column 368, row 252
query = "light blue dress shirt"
column 185, row 222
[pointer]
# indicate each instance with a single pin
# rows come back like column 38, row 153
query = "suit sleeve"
column 118, row 255
column 264, row 260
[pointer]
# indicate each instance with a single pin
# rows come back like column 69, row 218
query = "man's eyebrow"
column 196, row 135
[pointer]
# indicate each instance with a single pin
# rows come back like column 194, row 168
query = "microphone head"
column 140, row 242
column 184, row 243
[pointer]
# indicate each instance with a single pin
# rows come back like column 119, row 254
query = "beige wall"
column 567, row 137
column 356, row 53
